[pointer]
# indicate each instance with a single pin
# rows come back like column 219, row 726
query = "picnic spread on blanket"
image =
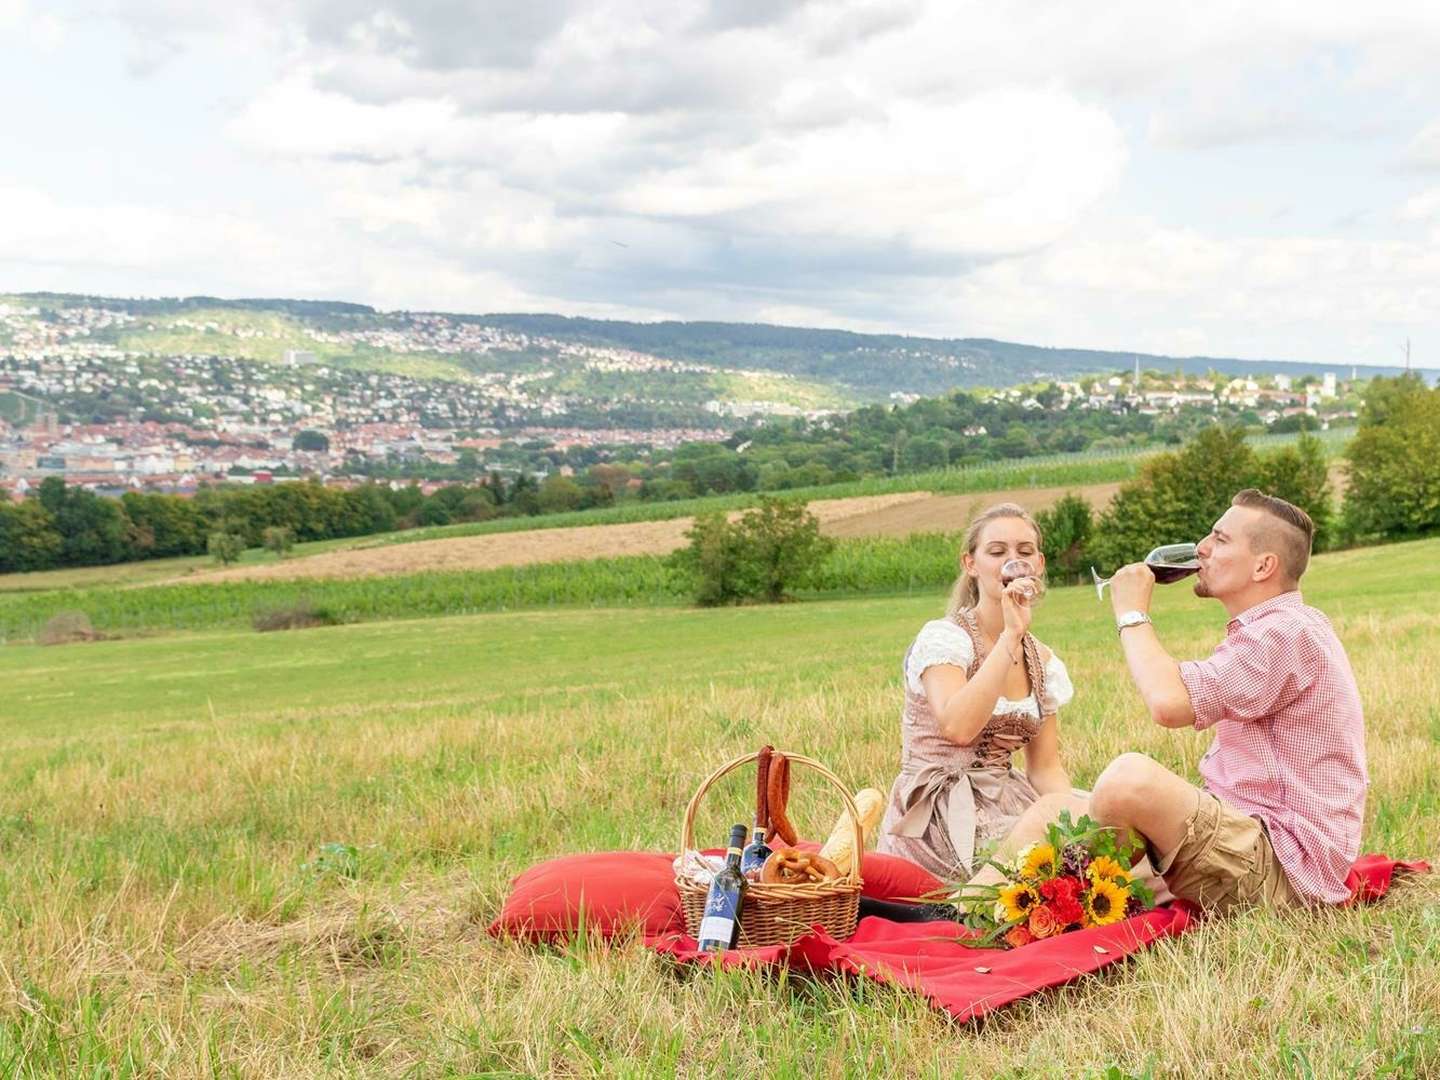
column 1067, row 906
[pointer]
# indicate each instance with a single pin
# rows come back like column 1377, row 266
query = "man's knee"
column 1126, row 784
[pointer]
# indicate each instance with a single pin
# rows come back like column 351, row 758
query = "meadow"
column 862, row 565
column 235, row 854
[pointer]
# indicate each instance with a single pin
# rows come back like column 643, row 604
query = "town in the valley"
column 80, row 400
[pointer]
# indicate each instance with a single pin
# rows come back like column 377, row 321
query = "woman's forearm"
column 965, row 713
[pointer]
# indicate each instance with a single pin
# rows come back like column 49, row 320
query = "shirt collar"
column 1289, row 599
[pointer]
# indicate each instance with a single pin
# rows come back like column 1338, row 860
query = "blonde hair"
column 965, row 593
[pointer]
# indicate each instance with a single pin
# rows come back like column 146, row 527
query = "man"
column 1277, row 819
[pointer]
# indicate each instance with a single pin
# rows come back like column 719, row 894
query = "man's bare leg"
column 1138, row 793
column 1029, row 828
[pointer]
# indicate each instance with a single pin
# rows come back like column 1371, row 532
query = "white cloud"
column 999, row 168
column 1424, row 149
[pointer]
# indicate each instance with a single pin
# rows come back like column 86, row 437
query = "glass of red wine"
column 1168, row 562
column 1013, row 570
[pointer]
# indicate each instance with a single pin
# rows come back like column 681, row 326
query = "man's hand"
column 1131, row 587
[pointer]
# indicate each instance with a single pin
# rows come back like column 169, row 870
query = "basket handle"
column 687, row 824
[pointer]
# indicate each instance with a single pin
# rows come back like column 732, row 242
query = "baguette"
column 840, row 847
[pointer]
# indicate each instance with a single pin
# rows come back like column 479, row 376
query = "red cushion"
column 889, row 877
column 610, row 890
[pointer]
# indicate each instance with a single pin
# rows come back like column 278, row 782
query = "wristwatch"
column 1131, row 618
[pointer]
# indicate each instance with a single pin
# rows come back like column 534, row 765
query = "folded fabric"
column 608, row 891
column 968, row 982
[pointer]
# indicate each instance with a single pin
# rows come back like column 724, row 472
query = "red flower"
column 1017, row 936
column 1043, row 923
column 1067, row 911
column 1066, row 888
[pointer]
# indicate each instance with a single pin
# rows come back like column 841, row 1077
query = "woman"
column 979, row 687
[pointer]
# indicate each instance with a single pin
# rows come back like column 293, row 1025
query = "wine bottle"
column 752, row 859
column 720, row 925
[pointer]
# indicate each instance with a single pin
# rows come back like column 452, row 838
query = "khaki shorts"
column 1226, row 861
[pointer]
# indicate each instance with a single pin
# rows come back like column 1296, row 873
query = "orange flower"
column 1043, row 923
column 1017, row 936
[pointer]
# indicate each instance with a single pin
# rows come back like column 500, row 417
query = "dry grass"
column 166, row 912
column 487, row 552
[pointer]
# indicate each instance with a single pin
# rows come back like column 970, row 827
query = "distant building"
column 299, row 357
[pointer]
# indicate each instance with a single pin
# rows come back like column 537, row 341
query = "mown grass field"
column 923, row 561
column 165, row 802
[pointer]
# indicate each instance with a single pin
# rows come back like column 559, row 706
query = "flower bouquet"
column 1076, row 878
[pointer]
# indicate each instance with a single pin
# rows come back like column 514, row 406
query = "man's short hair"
column 1288, row 532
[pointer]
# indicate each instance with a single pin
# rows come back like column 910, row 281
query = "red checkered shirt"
column 1289, row 743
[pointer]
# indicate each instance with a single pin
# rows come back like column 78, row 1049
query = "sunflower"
column 1105, row 902
column 1036, row 861
column 1016, row 900
column 1104, row 868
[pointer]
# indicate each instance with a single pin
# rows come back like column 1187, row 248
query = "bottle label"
column 722, row 910
column 717, row 928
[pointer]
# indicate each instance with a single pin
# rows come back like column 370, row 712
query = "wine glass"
column 1168, row 562
column 1020, row 569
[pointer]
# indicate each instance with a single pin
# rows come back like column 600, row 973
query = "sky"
column 1248, row 180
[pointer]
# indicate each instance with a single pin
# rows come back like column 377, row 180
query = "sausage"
column 777, row 795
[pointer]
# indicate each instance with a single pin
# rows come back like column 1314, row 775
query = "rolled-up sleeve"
column 1249, row 677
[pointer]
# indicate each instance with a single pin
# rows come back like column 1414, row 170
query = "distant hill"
column 879, row 363
column 554, row 371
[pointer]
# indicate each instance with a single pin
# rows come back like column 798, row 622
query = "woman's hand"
column 1015, row 606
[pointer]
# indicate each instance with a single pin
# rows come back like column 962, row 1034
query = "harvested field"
column 872, row 515
column 899, row 514
column 951, row 513
column 523, row 548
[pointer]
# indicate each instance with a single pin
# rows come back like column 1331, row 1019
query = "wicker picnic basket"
column 777, row 914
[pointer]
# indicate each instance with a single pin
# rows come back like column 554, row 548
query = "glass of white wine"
column 1022, row 570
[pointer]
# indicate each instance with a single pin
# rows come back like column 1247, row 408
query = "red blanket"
column 969, row 982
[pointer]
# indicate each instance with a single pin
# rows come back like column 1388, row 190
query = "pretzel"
column 777, row 794
column 787, row 866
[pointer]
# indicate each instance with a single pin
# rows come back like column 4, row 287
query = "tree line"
column 1392, row 489
column 60, row 525
column 1392, row 493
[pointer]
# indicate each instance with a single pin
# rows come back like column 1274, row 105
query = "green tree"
column 559, row 493
column 93, row 531
column 312, row 440
column 1301, row 475
column 1177, row 496
column 1394, row 467
column 225, row 547
column 922, row 453
column 28, row 537
column 714, row 560
column 782, row 546
column 1066, row 528
column 772, row 549
column 174, row 525
column 279, row 539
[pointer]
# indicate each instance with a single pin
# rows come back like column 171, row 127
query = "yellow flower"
column 1016, row 900
column 1105, row 902
column 1036, row 861
column 1104, row 868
